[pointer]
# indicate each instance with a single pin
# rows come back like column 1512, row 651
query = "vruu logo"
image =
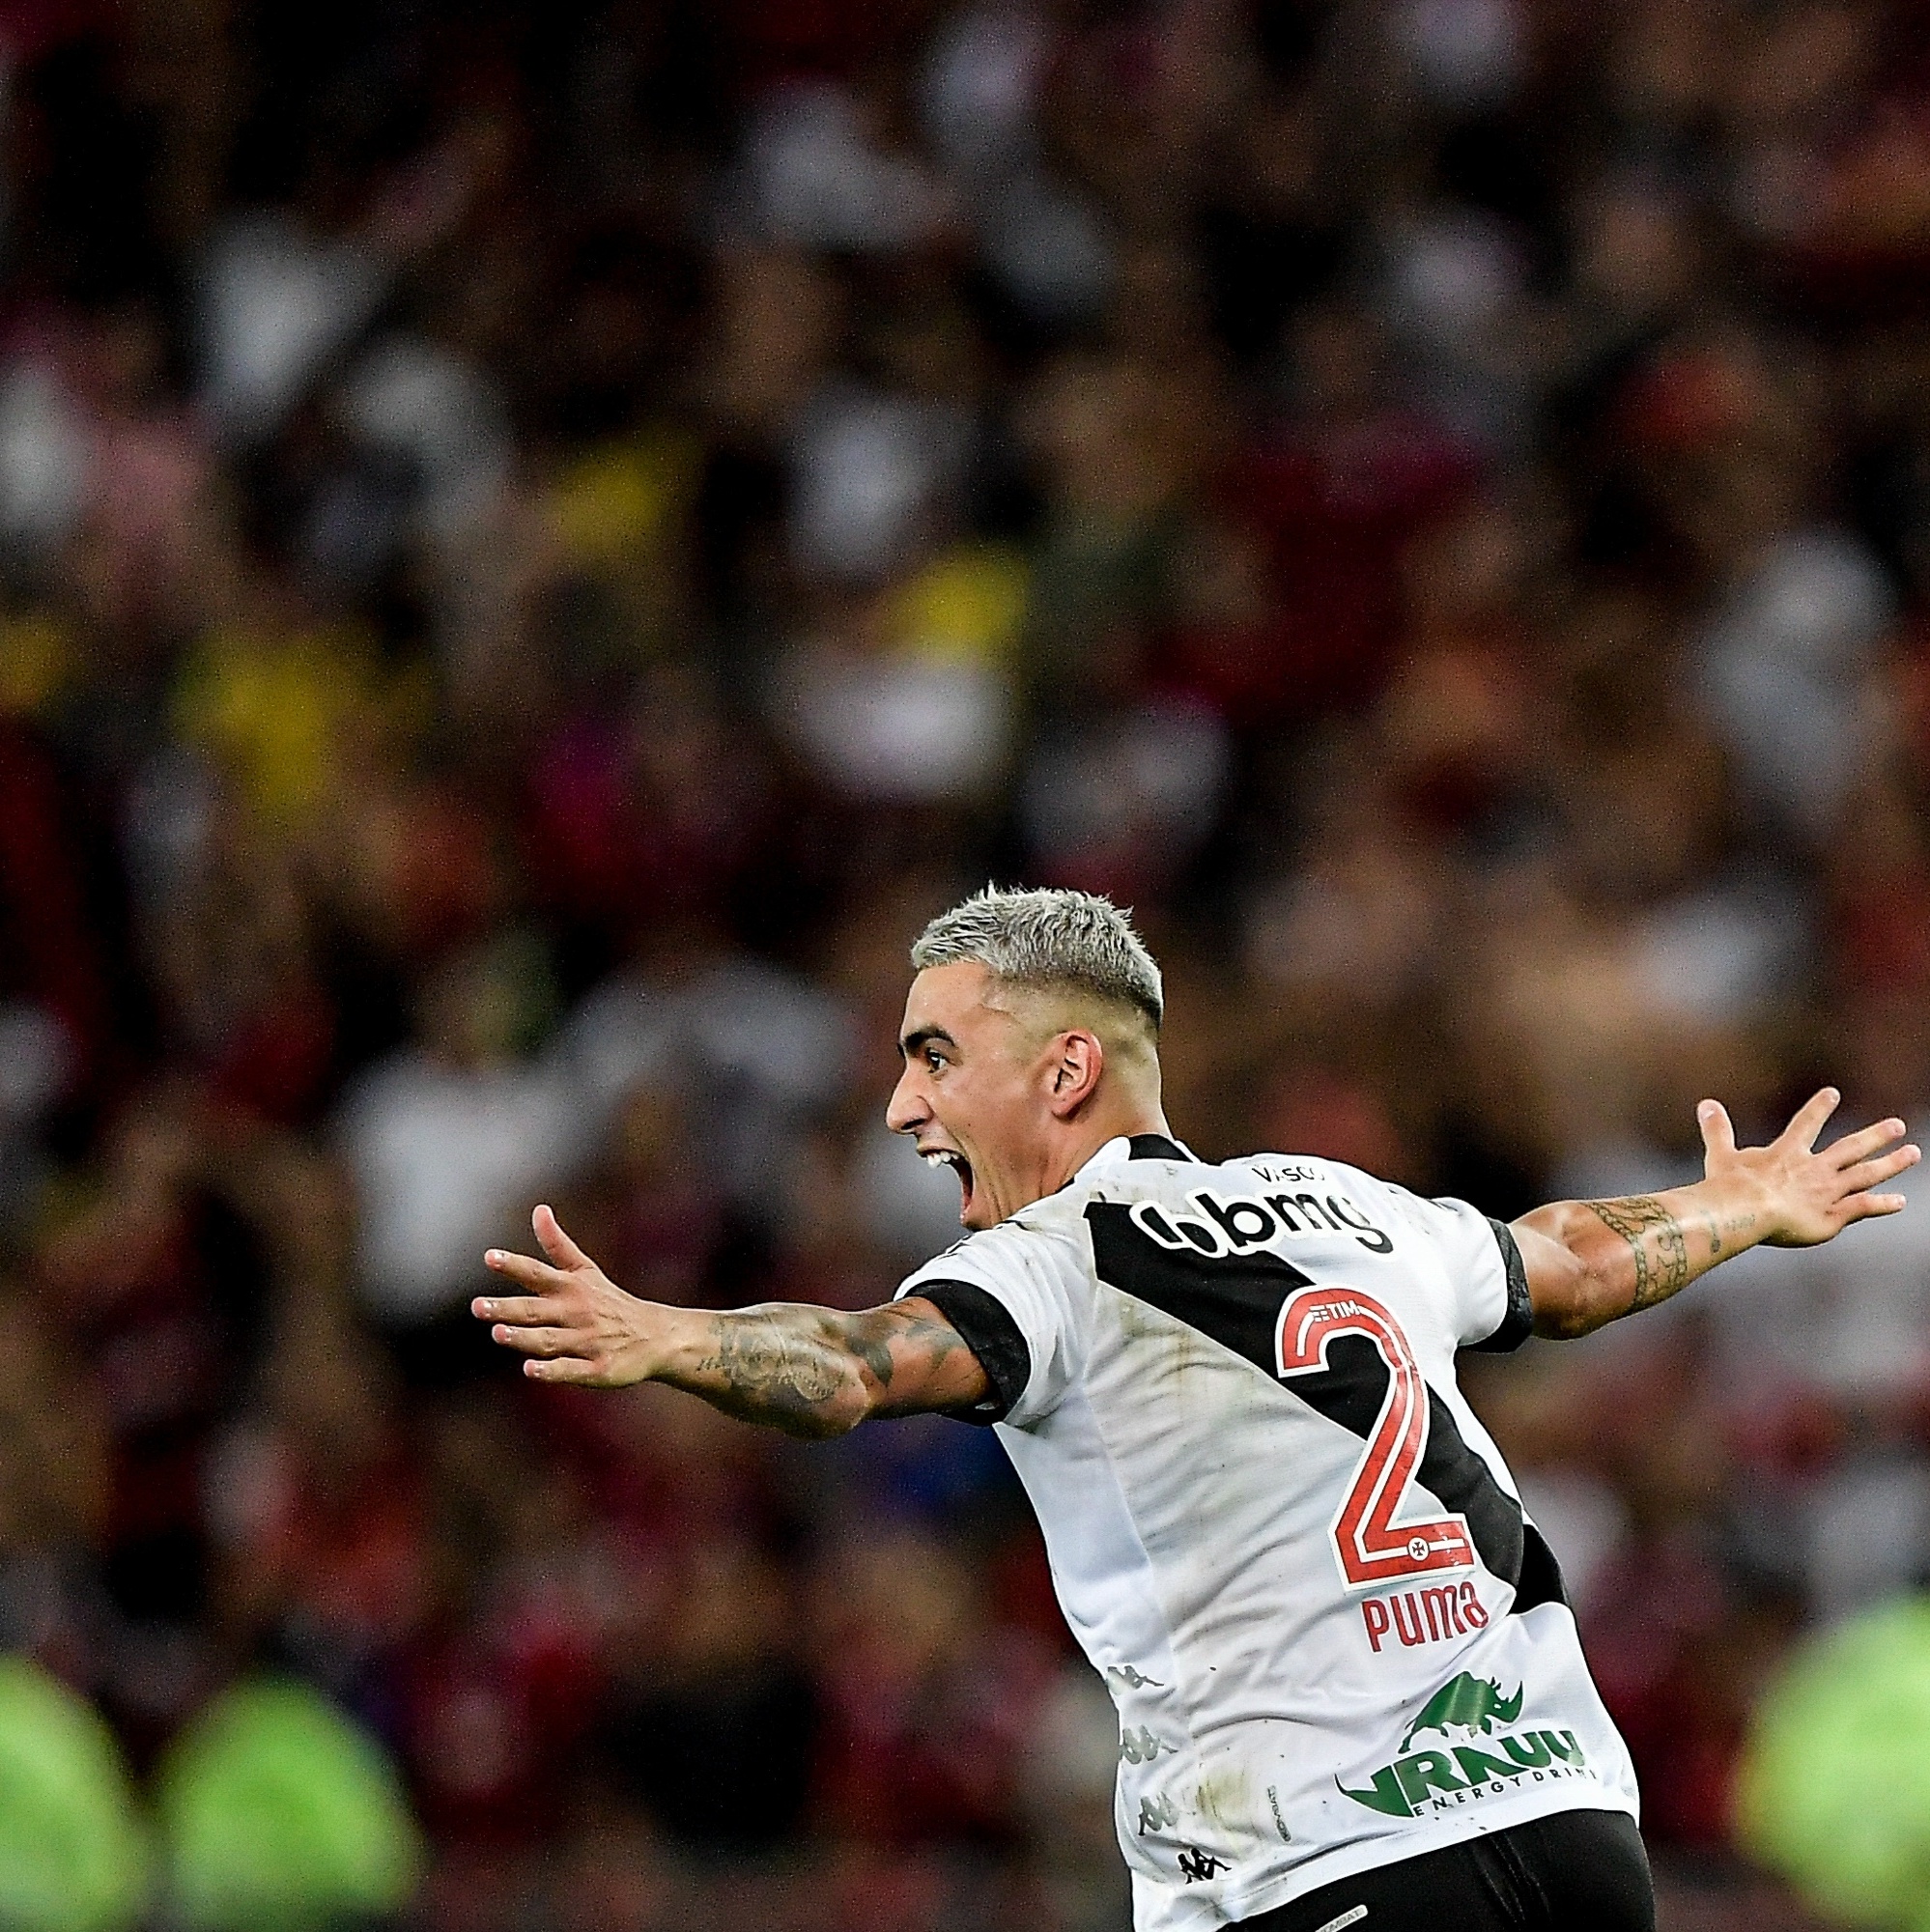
column 1420, row 1782
column 1234, row 1225
column 1466, row 1704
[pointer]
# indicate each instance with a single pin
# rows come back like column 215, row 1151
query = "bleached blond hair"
column 1050, row 937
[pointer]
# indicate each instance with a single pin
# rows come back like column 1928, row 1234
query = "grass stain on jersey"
column 1224, row 1798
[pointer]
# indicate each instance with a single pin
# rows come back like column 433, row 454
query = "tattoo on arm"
column 922, row 1342
column 1660, row 1268
column 768, row 1365
column 802, row 1369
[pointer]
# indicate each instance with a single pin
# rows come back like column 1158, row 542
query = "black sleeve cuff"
column 1518, row 1324
column 988, row 1330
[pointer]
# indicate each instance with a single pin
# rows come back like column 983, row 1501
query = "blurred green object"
column 1834, row 1789
column 279, row 1815
column 72, row 1855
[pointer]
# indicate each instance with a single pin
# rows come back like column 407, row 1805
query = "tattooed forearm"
column 1731, row 1234
column 1590, row 1261
column 818, row 1371
column 1656, row 1243
column 775, row 1365
column 933, row 1347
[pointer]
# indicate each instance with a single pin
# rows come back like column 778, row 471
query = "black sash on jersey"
column 1236, row 1299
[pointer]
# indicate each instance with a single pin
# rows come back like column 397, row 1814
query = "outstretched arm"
column 805, row 1370
column 1589, row 1261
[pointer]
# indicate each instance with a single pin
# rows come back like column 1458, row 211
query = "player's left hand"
column 1809, row 1194
column 574, row 1323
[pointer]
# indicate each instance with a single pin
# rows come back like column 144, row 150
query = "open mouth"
column 959, row 1165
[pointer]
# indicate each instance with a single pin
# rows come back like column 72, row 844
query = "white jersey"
column 1275, row 1527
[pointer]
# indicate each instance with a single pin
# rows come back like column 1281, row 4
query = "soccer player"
column 1349, row 1687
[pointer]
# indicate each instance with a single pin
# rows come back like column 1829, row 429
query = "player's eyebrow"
column 915, row 1042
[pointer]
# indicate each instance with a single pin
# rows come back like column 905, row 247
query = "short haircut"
column 1047, row 938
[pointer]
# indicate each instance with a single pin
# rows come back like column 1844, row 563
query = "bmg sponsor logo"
column 1237, row 1223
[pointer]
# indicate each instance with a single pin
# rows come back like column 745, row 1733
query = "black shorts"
column 1574, row 1871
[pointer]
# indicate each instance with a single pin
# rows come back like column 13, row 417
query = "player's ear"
column 1073, row 1071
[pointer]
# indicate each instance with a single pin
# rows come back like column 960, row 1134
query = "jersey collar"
column 1122, row 1147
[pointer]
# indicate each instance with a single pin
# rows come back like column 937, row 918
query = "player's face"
column 973, row 1093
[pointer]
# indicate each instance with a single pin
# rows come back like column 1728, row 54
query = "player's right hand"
column 573, row 1322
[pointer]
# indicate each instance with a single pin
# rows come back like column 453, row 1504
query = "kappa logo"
column 1233, row 1226
column 1157, row 1815
column 1197, row 1864
column 1422, row 1783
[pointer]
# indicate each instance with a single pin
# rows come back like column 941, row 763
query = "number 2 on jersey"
column 1373, row 1544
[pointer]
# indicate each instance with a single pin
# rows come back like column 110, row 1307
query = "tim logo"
column 1233, row 1226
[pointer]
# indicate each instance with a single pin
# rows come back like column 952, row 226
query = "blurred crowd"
column 538, row 544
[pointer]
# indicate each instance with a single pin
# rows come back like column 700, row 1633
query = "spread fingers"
column 1807, row 1121
column 518, row 1311
column 566, row 1369
column 545, row 1343
column 1870, row 1174
column 526, row 1270
column 1860, row 1146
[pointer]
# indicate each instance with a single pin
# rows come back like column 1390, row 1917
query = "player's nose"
column 907, row 1111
